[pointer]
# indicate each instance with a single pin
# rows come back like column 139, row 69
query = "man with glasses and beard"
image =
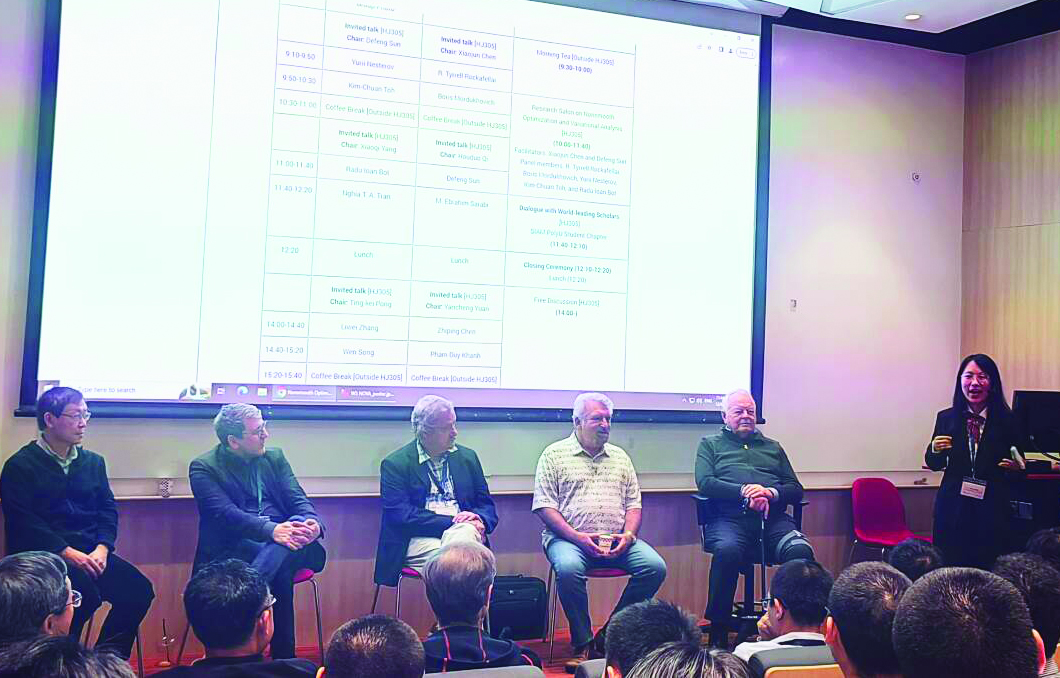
column 251, row 507
column 57, row 498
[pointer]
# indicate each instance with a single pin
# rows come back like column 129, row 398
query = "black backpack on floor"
column 518, row 608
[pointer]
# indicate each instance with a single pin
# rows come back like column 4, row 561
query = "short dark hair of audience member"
column 1039, row 583
column 915, row 557
column 640, row 628
column 959, row 622
column 862, row 605
column 458, row 579
column 227, row 602
column 802, row 587
column 35, row 596
column 1046, row 543
column 60, row 657
column 54, row 401
column 689, row 660
column 374, row 646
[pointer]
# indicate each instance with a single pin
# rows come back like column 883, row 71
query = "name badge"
column 443, row 508
column 976, row 489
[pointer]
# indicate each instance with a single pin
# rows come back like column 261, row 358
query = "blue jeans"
column 646, row 568
column 277, row 565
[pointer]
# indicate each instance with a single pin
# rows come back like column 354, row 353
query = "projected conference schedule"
column 447, row 205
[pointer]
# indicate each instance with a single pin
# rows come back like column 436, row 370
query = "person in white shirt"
column 587, row 494
column 796, row 612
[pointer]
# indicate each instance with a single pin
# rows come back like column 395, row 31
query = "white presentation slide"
column 354, row 201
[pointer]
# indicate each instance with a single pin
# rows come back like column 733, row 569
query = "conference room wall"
column 1011, row 238
column 871, row 258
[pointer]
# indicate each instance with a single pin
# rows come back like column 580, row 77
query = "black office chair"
column 744, row 620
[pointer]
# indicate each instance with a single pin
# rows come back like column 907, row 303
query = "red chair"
column 406, row 573
column 879, row 515
column 551, row 594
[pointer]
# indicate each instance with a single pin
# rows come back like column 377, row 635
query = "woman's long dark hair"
column 995, row 397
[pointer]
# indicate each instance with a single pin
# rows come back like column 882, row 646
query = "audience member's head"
column 958, row 622
column 375, row 646
column 35, row 596
column 642, row 627
column 915, row 557
column 1039, row 583
column 54, row 401
column 230, row 608
column 1046, row 543
column 59, row 657
column 862, row 606
column 800, row 596
column 689, row 660
column 459, row 579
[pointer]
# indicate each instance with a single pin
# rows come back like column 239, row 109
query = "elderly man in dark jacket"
column 433, row 491
column 251, row 507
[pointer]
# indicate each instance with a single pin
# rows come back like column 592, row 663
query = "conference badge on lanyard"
column 973, row 488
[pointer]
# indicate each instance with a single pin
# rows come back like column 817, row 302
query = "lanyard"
column 445, row 475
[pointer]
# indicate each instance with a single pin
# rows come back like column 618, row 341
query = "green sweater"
column 725, row 463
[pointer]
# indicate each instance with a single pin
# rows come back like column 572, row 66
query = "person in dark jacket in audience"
column 962, row 622
column 640, row 628
column 35, row 596
column 459, row 581
column 374, row 646
column 57, row 498
column 914, row 558
column 60, row 657
column 229, row 607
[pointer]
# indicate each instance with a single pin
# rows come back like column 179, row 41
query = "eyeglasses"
column 258, row 432
column 75, row 602
column 83, row 416
column 269, row 602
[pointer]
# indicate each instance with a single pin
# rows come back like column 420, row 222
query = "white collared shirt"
column 64, row 462
column 592, row 493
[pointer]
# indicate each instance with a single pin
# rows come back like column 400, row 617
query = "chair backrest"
column 504, row 672
column 877, row 508
column 765, row 661
column 594, row 668
column 825, row 671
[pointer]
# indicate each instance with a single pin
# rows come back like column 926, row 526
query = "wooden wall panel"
column 1011, row 240
column 159, row 537
column 1012, row 135
column 1011, row 302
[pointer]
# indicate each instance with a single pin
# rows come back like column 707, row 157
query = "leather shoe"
column 581, row 654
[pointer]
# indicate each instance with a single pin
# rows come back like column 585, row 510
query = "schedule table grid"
column 433, row 208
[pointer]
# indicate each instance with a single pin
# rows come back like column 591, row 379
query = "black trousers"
column 733, row 541
column 281, row 584
column 127, row 590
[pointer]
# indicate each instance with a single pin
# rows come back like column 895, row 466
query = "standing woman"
column 973, row 442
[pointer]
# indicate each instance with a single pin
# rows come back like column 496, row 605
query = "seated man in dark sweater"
column 56, row 497
column 746, row 474
column 230, row 608
column 251, row 507
column 459, row 580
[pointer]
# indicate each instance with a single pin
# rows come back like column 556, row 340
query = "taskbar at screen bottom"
column 330, row 394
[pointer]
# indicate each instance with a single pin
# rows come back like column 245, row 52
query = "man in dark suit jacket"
column 57, row 498
column 433, row 491
column 230, row 607
column 251, row 507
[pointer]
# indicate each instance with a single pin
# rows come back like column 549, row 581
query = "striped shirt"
column 592, row 493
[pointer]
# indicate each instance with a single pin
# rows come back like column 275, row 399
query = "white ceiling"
column 937, row 15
